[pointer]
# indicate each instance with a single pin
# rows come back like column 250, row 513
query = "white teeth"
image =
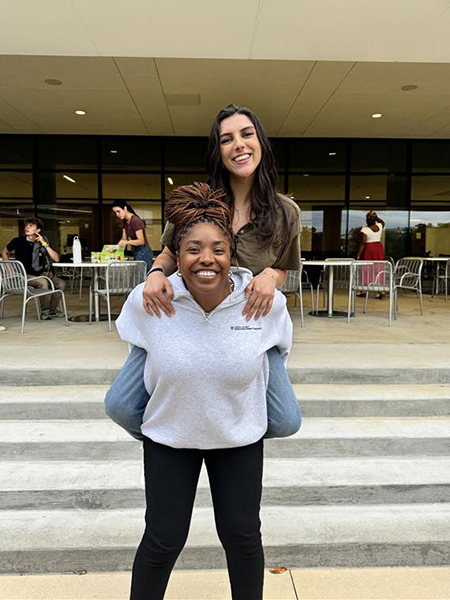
column 206, row 273
column 242, row 157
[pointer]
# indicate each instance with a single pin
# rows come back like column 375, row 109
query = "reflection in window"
column 173, row 181
column 378, row 155
column 431, row 156
column 430, row 216
column 130, row 186
column 368, row 189
column 16, row 185
column 185, row 154
column 133, row 153
column 16, row 151
column 12, row 215
column 67, row 152
column 75, row 185
column 394, row 238
column 64, row 220
column 322, row 155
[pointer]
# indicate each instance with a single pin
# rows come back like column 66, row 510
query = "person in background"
column 370, row 246
column 33, row 250
column 206, row 373
column 133, row 233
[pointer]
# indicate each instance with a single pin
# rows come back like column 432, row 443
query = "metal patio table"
column 330, row 264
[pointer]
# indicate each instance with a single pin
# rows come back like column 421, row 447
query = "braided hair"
column 198, row 203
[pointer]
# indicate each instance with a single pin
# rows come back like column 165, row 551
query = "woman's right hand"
column 158, row 295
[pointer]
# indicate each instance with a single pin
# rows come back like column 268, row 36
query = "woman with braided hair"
column 214, row 409
column 266, row 227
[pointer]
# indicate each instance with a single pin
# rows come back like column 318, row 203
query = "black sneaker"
column 56, row 313
column 46, row 315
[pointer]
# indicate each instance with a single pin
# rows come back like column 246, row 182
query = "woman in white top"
column 370, row 246
column 206, row 373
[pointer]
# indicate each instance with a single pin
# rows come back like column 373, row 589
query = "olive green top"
column 249, row 252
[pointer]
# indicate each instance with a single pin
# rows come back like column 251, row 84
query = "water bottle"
column 76, row 250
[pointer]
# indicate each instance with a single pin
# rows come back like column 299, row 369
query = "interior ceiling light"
column 69, row 179
column 331, row 153
column 409, row 88
column 80, row 112
column 170, row 180
column 377, row 116
column 305, row 174
column 367, row 197
column 113, row 151
column 53, row 81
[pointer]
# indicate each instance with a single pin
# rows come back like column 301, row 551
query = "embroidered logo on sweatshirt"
column 245, row 328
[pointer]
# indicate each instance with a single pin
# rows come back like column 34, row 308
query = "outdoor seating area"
column 384, row 280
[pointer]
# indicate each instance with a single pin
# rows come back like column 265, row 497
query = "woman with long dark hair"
column 133, row 232
column 214, row 409
column 267, row 229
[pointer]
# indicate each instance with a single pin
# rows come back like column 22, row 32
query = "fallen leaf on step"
column 278, row 570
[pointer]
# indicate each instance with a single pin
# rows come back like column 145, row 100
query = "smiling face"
column 204, row 263
column 240, row 148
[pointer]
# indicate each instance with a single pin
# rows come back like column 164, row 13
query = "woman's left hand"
column 260, row 293
column 122, row 243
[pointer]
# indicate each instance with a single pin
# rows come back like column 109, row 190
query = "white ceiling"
column 331, row 30
column 309, row 68
column 166, row 96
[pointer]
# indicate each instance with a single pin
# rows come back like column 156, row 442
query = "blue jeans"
column 144, row 253
column 127, row 398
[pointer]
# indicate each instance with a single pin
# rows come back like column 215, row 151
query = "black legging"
column 171, row 477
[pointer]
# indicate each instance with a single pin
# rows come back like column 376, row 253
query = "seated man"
column 32, row 250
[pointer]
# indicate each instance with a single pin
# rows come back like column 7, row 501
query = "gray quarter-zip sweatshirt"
column 206, row 374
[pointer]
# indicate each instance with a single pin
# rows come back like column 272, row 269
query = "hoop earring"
column 230, row 279
column 179, row 274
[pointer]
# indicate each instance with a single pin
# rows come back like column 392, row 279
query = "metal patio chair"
column 442, row 274
column 408, row 276
column 121, row 277
column 295, row 282
column 373, row 276
column 14, row 282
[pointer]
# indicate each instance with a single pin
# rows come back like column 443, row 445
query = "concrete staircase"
column 366, row 482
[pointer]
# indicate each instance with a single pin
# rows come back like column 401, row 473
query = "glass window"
column 395, row 236
column 130, row 187
column 185, row 154
column 12, row 215
column 368, row 188
column 65, row 219
column 321, row 200
column 322, row 155
column 279, row 150
column 131, row 153
column 16, row 185
column 430, row 216
column 431, row 156
column 67, row 152
column 430, row 189
column 16, row 151
column 173, row 181
column 75, row 185
column 378, row 155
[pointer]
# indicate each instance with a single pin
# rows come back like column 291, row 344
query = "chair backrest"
column 341, row 273
column 123, row 276
column 408, row 271
column 373, row 275
column 13, row 277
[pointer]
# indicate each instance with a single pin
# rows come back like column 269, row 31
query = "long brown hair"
column 266, row 204
column 198, row 203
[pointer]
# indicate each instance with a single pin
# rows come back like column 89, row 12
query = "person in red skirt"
column 370, row 246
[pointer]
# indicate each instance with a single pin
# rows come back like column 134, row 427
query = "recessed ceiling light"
column 113, row 151
column 377, row 116
column 170, row 180
column 367, row 197
column 69, row 179
column 409, row 88
column 331, row 153
column 80, row 112
column 53, row 81
column 305, row 174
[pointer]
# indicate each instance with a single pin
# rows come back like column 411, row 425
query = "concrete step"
column 97, row 540
column 86, row 402
column 55, row 485
column 374, row 375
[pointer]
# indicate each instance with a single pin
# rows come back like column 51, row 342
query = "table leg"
column 330, row 290
column 96, row 300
